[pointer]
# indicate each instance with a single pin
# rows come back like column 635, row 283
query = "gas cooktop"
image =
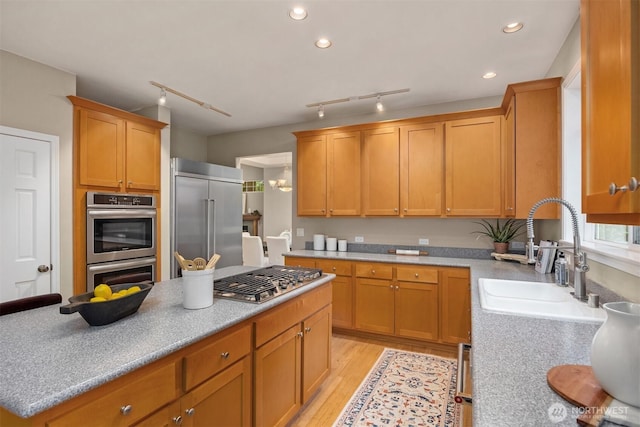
column 264, row 284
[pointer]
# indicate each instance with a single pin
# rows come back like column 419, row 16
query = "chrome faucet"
column 580, row 266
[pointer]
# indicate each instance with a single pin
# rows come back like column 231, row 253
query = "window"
column 618, row 235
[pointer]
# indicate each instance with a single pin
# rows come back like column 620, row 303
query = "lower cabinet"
column 455, row 305
column 293, row 356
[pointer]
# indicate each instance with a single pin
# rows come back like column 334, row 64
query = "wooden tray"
column 578, row 385
column 522, row 259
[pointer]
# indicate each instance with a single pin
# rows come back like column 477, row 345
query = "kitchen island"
column 511, row 354
column 50, row 359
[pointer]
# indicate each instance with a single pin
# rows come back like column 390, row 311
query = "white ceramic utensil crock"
column 615, row 352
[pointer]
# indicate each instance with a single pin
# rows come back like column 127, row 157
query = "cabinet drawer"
column 374, row 270
column 140, row 397
column 415, row 273
column 221, row 353
column 339, row 268
column 282, row 317
column 300, row 262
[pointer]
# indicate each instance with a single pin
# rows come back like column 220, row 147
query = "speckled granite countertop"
column 48, row 358
column 511, row 354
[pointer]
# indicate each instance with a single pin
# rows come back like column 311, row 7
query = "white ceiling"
column 251, row 60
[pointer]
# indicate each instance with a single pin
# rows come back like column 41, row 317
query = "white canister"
column 197, row 288
column 342, row 245
column 318, row 242
column 332, row 244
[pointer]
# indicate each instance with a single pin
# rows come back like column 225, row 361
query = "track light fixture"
column 163, row 97
column 377, row 95
column 187, row 97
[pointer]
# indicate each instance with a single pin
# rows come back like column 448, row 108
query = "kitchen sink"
column 535, row 299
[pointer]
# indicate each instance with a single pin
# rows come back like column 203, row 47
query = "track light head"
column 379, row 105
column 320, row 111
column 163, row 97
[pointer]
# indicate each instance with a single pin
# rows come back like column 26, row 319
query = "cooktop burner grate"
column 263, row 284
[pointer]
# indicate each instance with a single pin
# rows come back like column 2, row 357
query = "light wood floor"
column 352, row 358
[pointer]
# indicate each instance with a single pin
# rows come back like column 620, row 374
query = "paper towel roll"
column 318, row 242
column 332, row 244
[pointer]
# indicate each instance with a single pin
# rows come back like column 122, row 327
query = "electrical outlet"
column 299, row 232
column 359, row 239
column 423, row 241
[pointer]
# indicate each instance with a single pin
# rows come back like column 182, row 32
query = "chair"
column 253, row 252
column 287, row 234
column 28, row 303
column 276, row 247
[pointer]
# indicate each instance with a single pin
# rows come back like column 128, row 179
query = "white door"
column 25, row 216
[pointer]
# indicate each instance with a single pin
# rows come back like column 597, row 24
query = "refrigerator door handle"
column 211, row 224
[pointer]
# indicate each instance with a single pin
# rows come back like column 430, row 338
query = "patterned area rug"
column 405, row 389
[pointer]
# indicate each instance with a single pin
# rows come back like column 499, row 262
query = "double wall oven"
column 121, row 238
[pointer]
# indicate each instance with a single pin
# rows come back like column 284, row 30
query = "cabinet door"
column 142, row 157
column 223, row 400
column 312, row 176
column 343, row 174
column 165, row 417
column 278, row 379
column 509, row 160
column 374, row 305
column 100, row 149
column 610, row 108
column 473, row 167
column 455, row 305
column 416, row 310
column 381, row 172
column 421, row 169
column 316, row 351
column 342, row 293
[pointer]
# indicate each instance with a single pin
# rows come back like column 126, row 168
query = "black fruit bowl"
column 105, row 312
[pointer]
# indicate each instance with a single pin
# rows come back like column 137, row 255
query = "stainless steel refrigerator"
column 206, row 212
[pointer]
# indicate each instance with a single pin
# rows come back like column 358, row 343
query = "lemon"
column 98, row 299
column 122, row 292
column 117, row 295
column 133, row 290
column 103, row 291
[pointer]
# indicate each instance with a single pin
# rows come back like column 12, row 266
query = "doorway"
column 29, row 238
column 268, row 179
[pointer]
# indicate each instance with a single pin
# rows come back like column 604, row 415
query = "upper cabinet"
column 473, row 168
column 610, row 32
column 531, row 147
column 328, row 178
column 381, row 171
column 116, row 150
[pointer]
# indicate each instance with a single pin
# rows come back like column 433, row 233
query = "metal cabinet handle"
column 405, row 209
column 300, row 334
column 307, row 330
column 225, row 355
column 448, row 209
column 395, row 209
column 126, row 409
column 397, row 287
column 190, row 412
column 417, row 275
column 631, row 186
column 43, row 268
column 334, row 269
column 130, row 183
column 373, row 272
column 177, row 420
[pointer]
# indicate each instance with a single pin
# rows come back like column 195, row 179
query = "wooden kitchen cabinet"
column 341, row 289
column 473, row 167
column 532, row 148
column 610, row 109
column 117, row 150
column 455, row 305
column 328, row 171
column 416, row 302
column 381, row 172
column 421, row 169
column 375, row 309
column 285, row 336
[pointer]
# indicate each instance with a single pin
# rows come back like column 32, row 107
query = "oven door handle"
column 462, row 397
column 211, row 202
column 120, row 265
column 115, row 213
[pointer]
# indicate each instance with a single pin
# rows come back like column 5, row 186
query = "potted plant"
column 501, row 234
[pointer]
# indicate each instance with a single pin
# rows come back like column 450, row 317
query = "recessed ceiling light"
column 323, row 43
column 489, row 75
column 298, row 13
column 513, row 27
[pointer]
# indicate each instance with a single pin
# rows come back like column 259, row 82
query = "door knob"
column 43, row 268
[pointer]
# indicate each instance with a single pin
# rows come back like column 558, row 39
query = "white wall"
column 33, row 97
column 188, row 145
column 277, row 205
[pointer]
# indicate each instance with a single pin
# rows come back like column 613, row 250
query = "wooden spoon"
column 189, row 265
column 212, row 262
column 200, row 263
column 180, row 260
